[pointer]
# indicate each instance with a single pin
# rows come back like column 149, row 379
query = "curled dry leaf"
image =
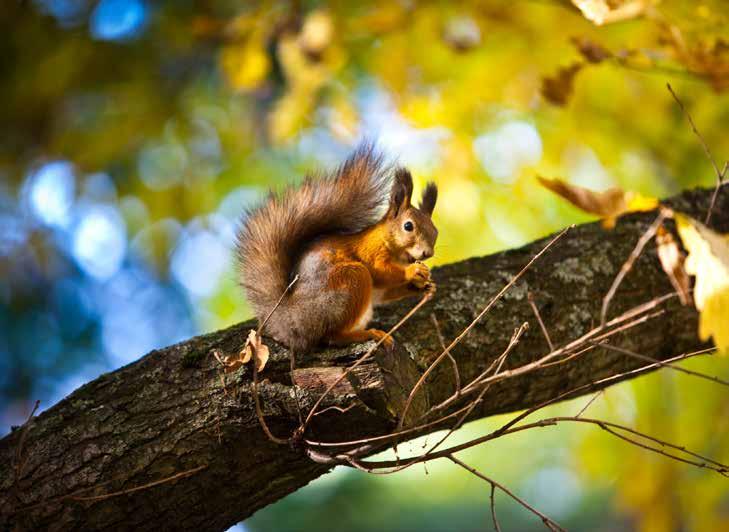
column 672, row 260
column 254, row 348
column 608, row 204
column 708, row 260
column 558, row 88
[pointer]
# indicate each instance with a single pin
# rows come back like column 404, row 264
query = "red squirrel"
column 354, row 240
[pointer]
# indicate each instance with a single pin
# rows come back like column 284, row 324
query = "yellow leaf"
column 316, row 33
column 708, row 260
column 244, row 66
column 608, row 204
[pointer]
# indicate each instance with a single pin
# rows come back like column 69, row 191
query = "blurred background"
column 133, row 133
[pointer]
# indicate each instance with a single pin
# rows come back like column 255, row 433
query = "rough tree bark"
column 169, row 413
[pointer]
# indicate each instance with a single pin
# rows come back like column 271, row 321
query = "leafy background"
column 135, row 132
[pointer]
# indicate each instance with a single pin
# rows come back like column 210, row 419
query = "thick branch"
column 170, row 442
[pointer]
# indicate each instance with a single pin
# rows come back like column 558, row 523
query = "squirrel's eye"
column 408, row 226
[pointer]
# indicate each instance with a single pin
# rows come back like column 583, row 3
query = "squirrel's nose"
column 426, row 254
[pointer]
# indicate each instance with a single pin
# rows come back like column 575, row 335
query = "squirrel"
column 331, row 232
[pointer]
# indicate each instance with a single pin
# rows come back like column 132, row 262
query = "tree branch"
column 172, row 441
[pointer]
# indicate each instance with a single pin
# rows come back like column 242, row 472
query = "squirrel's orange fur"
column 354, row 240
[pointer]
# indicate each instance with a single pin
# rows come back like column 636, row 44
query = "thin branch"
column 530, row 298
column 664, row 364
column 470, row 326
column 714, row 195
column 259, row 410
column 546, row 520
column 75, row 496
column 509, row 427
column 719, row 173
column 566, row 350
column 612, row 428
column 256, row 399
column 628, row 264
column 587, row 405
column 497, row 528
column 454, row 364
column 172, row 478
column 419, row 428
column 502, row 358
column 337, row 409
column 278, row 303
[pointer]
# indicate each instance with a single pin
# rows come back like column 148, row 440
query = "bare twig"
column 612, row 428
column 278, row 303
column 336, row 408
column 456, row 374
column 497, row 528
column 506, row 428
column 462, row 419
column 628, row 264
column 719, row 173
column 76, row 495
column 587, row 405
column 546, row 520
column 172, row 478
column 664, row 364
column 465, row 331
column 530, row 298
column 256, row 399
column 259, row 410
column 714, row 195
column 602, row 382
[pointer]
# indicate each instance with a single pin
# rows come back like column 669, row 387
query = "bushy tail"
column 273, row 234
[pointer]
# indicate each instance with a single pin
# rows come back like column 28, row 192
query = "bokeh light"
column 116, row 20
column 136, row 134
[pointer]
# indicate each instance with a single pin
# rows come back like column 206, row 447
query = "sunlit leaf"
column 708, row 260
column 316, row 33
column 672, row 261
column 245, row 66
column 608, row 204
column 605, row 11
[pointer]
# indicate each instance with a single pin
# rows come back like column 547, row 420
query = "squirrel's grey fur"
column 273, row 237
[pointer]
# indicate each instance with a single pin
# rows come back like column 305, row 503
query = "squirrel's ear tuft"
column 430, row 195
column 402, row 191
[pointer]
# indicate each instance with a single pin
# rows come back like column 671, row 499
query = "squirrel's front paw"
column 418, row 274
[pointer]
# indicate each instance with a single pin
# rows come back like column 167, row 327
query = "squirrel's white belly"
column 364, row 319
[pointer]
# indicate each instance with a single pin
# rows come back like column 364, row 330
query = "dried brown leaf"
column 608, row 204
column 262, row 354
column 558, row 88
column 672, row 260
column 254, row 349
column 590, row 50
